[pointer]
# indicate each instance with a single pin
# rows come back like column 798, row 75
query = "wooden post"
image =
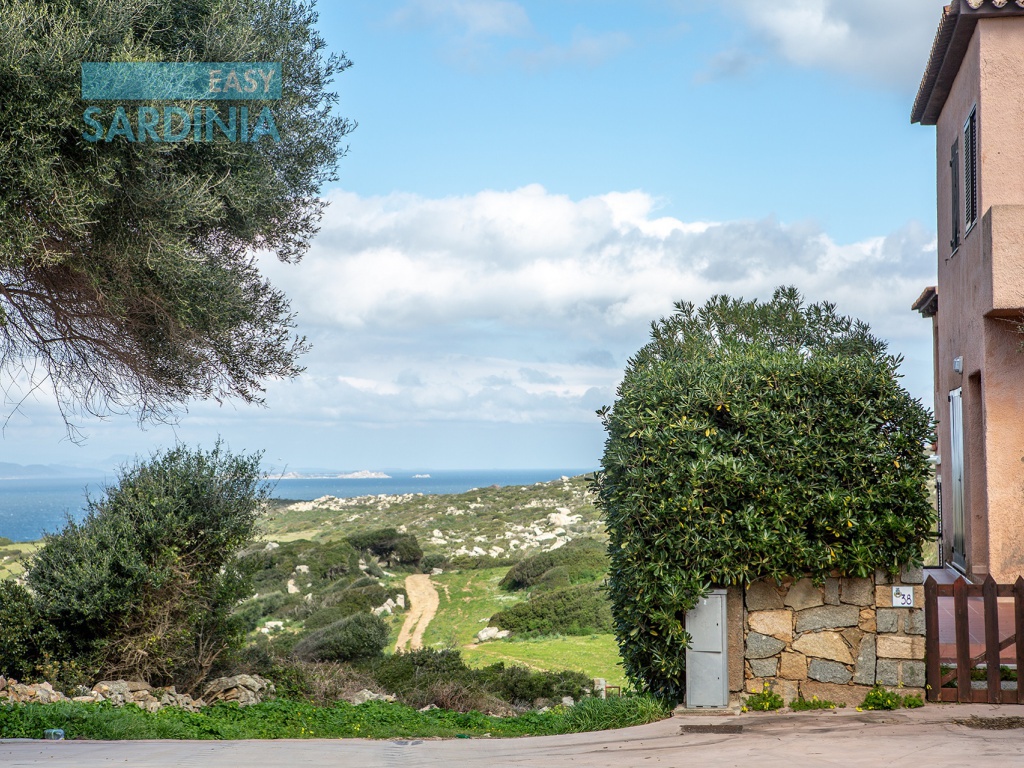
column 933, row 668
column 988, row 591
column 1018, row 615
column 963, row 642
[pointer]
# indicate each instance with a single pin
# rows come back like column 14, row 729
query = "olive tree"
column 127, row 272
column 753, row 440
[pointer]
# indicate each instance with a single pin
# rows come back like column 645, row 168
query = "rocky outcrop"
column 243, row 689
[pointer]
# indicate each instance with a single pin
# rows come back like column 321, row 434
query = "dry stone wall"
column 834, row 641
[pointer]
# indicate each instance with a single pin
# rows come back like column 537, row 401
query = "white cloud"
column 522, row 306
column 884, row 40
column 513, row 313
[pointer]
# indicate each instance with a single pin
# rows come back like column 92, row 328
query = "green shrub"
column 581, row 559
column 18, row 650
column 580, row 610
column 803, row 705
column 879, row 698
column 144, row 586
column 432, row 561
column 361, row 636
column 439, row 677
column 559, row 577
column 753, row 440
column 477, row 562
column 389, row 544
column 764, row 700
column 522, row 686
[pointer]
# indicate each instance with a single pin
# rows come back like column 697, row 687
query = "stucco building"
column 972, row 93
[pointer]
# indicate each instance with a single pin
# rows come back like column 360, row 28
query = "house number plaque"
column 902, row 597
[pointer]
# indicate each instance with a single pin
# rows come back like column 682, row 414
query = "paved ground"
column 925, row 737
column 423, row 604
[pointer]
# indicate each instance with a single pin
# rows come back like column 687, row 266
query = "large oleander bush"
column 753, row 440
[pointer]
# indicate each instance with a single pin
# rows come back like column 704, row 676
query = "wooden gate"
column 962, row 625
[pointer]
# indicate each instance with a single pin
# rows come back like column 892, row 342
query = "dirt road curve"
column 423, row 602
column 923, row 737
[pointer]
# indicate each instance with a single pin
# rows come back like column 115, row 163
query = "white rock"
column 567, row 701
column 487, row 633
column 400, row 600
column 292, row 588
column 436, row 572
column 271, row 546
column 302, row 569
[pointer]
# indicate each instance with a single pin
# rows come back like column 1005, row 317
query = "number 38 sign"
column 902, row 597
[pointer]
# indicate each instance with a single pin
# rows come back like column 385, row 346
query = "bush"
column 144, row 586
column 389, row 544
column 580, row 610
column 764, row 700
column 753, row 440
column 441, row 677
column 559, row 577
column 582, row 559
column 361, row 636
column 19, row 652
column 432, row 561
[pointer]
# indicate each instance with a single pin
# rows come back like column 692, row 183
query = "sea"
column 30, row 508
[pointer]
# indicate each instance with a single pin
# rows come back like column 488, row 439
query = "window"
column 954, row 183
column 971, row 169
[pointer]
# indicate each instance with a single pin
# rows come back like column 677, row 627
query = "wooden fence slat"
column 1018, row 615
column 992, row 639
column 933, row 669
column 963, row 642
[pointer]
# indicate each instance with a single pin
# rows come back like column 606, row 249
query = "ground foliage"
column 126, row 270
column 284, row 719
column 753, row 440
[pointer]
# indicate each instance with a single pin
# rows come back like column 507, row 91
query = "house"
column 973, row 93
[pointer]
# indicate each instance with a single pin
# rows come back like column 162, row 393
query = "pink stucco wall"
column 980, row 286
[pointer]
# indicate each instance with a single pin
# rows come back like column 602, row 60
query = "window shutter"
column 971, row 168
column 954, row 179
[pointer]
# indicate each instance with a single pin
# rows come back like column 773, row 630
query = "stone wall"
column 834, row 641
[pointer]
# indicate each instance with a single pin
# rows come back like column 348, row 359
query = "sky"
column 532, row 183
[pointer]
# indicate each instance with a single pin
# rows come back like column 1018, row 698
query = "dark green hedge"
column 579, row 610
column 580, row 559
column 361, row 636
column 752, row 440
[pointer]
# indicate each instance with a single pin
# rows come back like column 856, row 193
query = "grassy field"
column 11, row 556
column 468, row 599
column 596, row 655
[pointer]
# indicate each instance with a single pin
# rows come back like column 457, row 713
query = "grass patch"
column 283, row 719
column 596, row 655
column 11, row 557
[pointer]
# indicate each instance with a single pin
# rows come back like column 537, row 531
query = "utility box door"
column 707, row 662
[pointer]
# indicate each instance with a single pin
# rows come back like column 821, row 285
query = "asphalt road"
column 926, row 737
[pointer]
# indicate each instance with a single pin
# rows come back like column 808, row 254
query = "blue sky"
column 532, row 183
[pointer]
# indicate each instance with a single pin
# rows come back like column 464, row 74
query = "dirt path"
column 423, row 603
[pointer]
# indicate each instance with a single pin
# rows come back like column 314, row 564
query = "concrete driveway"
column 925, row 737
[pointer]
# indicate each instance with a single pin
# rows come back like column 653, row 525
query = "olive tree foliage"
column 753, row 440
column 144, row 586
column 127, row 276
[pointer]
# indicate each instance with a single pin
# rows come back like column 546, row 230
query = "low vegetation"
column 289, row 719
